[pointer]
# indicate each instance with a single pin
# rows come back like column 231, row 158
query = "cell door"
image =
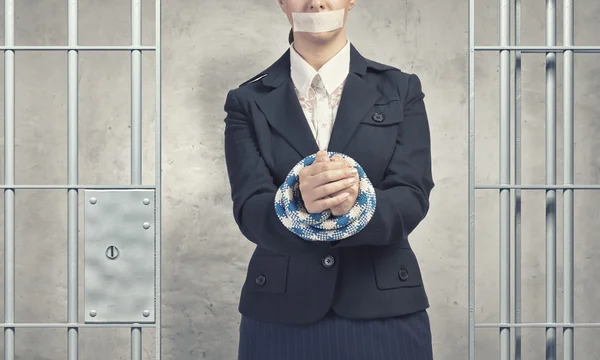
column 122, row 224
column 509, row 188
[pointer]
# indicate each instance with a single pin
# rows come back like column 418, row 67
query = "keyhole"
column 112, row 252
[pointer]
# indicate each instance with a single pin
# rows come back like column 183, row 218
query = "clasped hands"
column 329, row 183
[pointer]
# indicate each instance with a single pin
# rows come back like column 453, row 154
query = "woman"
column 361, row 297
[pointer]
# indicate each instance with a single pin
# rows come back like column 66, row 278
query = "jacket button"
column 328, row 261
column 261, row 280
column 403, row 275
column 378, row 117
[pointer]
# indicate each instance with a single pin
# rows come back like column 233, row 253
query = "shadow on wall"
column 207, row 254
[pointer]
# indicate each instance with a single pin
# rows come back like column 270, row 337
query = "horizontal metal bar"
column 541, row 49
column 74, row 325
column 82, row 187
column 538, row 325
column 79, row 48
column 538, row 187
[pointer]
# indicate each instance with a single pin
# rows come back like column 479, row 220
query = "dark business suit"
column 382, row 124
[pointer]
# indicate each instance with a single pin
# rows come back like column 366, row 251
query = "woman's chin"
column 320, row 37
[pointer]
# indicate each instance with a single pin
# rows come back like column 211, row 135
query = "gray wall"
column 211, row 46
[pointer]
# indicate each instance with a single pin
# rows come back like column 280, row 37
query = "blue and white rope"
column 323, row 226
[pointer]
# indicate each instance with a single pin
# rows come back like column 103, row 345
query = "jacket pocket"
column 384, row 114
column 396, row 267
column 267, row 273
column 375, row 139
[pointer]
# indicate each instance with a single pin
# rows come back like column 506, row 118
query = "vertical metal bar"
column 551, row 180
column 517, row 234
column 72, row 179
column 504, row 179
column 9, row 179
column 136, row 132
column 568, row 217
column 136, row 93
column 471, row 180
column 136, row 343
column 158, row 176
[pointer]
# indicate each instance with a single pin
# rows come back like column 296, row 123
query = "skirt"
column 406, row 337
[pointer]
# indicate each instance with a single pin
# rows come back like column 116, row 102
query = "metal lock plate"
column 119, row 256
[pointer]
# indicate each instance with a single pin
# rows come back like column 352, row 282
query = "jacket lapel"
column 282, row 108
column 283, row 111
column 358, row 97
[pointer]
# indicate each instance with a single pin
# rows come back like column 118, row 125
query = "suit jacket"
column 382, row 124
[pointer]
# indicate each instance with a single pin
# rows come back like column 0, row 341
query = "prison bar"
column 78, row 48
column 541, row 49
column 131, row 187
column 69, row 325
column 550, row 180
column 9, row 179
column 539, row 325
column 67, row 187
column 136, row 132
column 504, row 178
column 471, row 181
column 550, row 49
column 538, row 187
column 73, row 187
column 73, row 179
column 158, row 176
column 568, row 176
column 517, row 221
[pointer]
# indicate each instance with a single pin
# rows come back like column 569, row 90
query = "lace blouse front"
column 320, row 121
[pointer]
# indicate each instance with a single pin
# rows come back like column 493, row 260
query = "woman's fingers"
column 327, row 203
column 323, row 183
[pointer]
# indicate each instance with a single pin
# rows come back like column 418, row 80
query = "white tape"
column 318, row 22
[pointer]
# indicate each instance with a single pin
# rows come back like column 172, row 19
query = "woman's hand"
column 352, row 190
column 326, row 184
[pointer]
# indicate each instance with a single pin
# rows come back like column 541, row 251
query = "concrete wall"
column 205, row 256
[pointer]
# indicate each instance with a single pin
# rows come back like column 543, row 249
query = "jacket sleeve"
column 403, row 196
column 252, row 187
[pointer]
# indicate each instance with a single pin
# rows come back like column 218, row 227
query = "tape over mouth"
column 318, row 22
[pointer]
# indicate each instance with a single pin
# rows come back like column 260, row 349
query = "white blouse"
column 320, row 89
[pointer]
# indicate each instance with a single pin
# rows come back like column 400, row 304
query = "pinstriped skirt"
column 406, row 337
